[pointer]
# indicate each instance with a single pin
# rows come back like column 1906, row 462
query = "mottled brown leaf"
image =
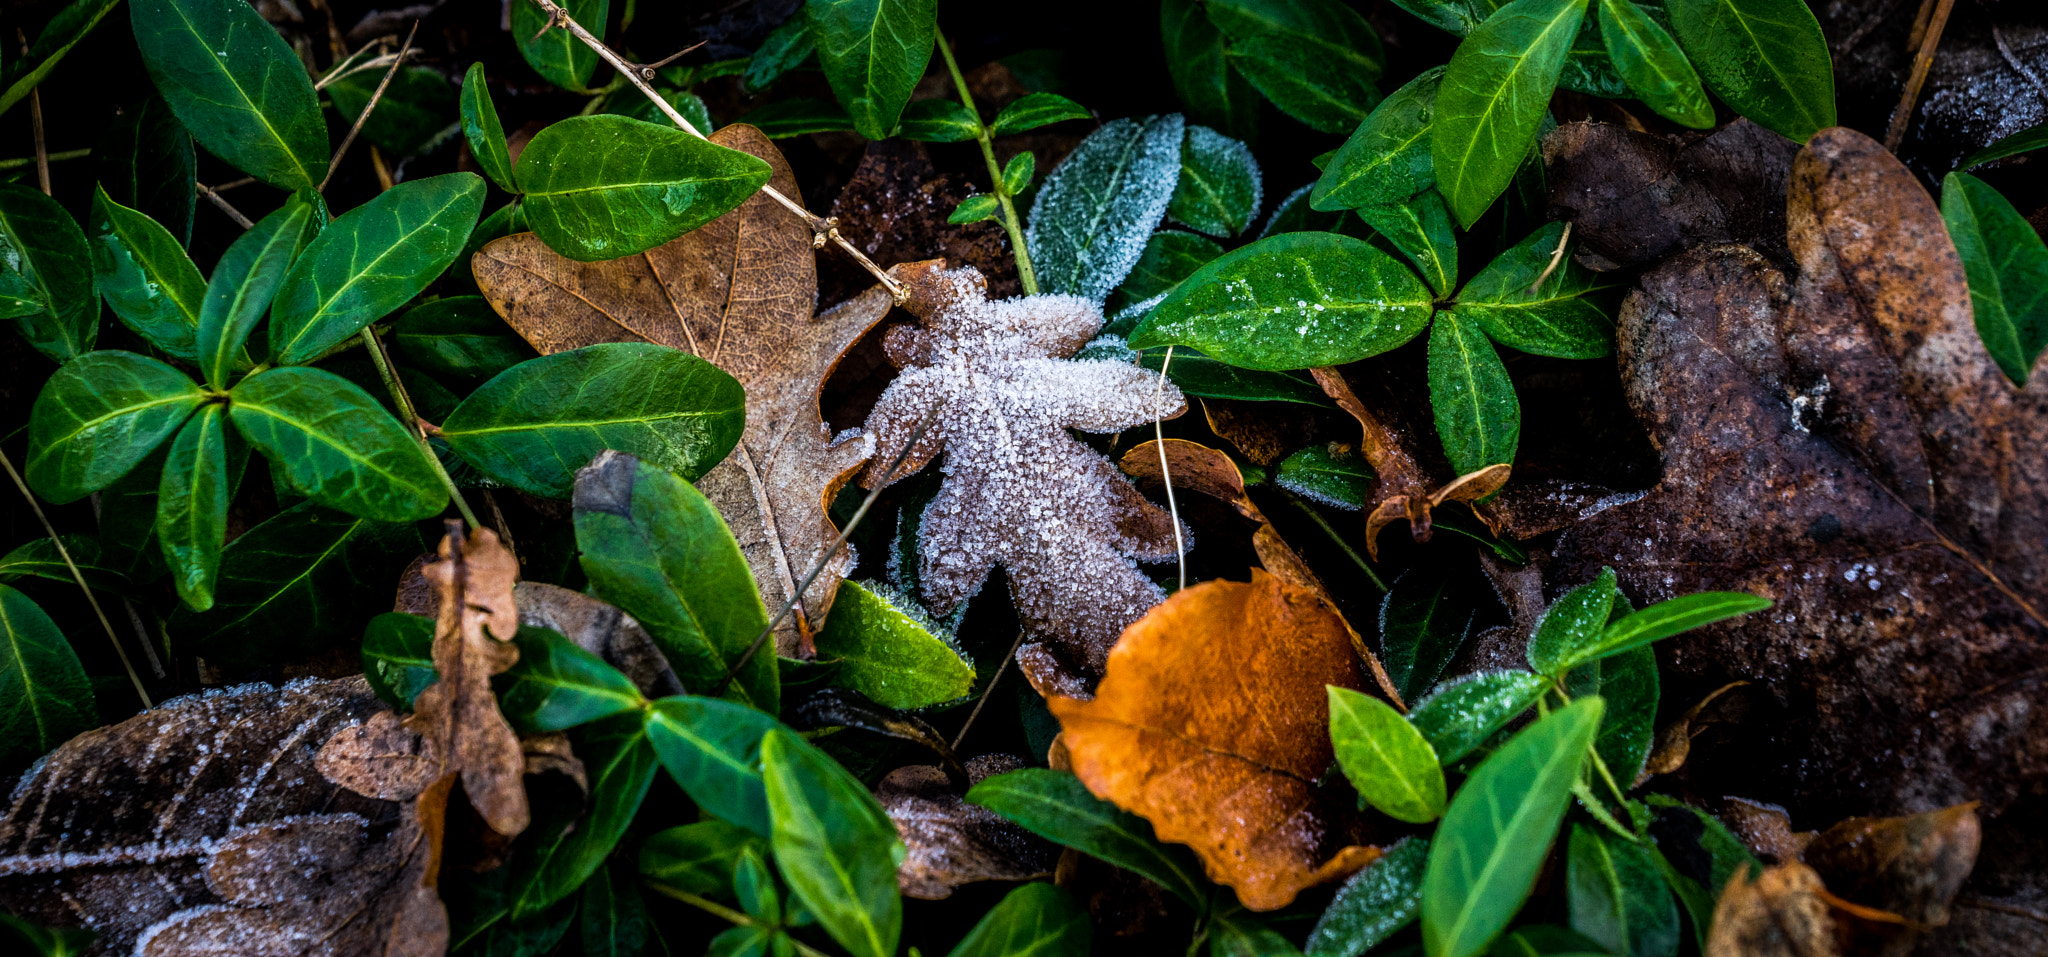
column 602, row 630
column 952, row 842
column 458, row 715
column 1780, row 914
column 894, row 210
column 1911, row 866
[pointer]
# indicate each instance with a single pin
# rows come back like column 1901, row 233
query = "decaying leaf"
column 1911, row 866
column 1227, row 760
column 458, row 715
column 993, row 381
column 739, row 292
column 602, row 630
column 952, row 842
column 1780, row 914
column 1401, row 489
column 894, row 208
column 1674, row 740
column 1845, row 447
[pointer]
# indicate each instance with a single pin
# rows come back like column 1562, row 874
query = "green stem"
column 1026, row 276
column 411, row 419
column 720, row 910
column 21, row 161
column 1327, row 530
column 1557, row 687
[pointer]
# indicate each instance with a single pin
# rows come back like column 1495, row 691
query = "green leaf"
column 601, row 187
column 18, row 296
column 1033, row 110
column 1374, row 904
column 335, row 445
column 632, row 104
column 755, row 888
column 49, row 941
column 557, row 55
column 370, row 261
column 1478, row 416
column 1713, row 856
column 1495, row 93
column 799, row 116
column 1018, row 173
column 1670, row 617
column 127, row 530
column 939, row 121
column 1573, row 626
column 57, row 37
column 1293, row 301
column 417, row 107
column 41, row 241
column 1617, row 894
column 1420, row 229
column 1199, row 375
column 99, row 415
column 1098, row 206
column 1767, row 58
column 621, row 766
column 1295, row 215
column 1464, row 713
column 873, row 52
column 398, row 657
column 1315, row 59
column 2032, row 138
column 1646, row 55
column 1055, row 805
column 1456, row 17
column 235, row 84
column 304, row 579
column 1035, row 919
column 2007, row 267
column 1544, row 940
column 1388, row 761
column 556, row 685
column 784, row 50
column 244, row 282
column 1220, row 186
column 1569, row 316
column 1236, row 933
column 888, row 649
column 1423, row 621
column 698, row 858
column 44, row 695
column 974, row 209
column 145, row 162
column 536, row 423
column 1387, row 159
column 657, row 548
column 1628, row 683
column 485, row 134
column 712, row 749
column 1321, row 474
column 835, row 846
column 145, row 276
column 459, row 337
column 1169, row 257
column 1498, row 830
column 39, row 557
column 1587, row 67
column 613, row 915
column 205, row 461
column 1213, row 93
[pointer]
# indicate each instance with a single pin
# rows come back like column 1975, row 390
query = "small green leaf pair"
column 1576, row 628
column 1316, row 61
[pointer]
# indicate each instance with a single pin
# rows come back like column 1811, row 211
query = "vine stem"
column 720, row 910
column 824, row 229
column 1557, row 687
column 1324, row 524
column 412, row 421
column 1026, row 276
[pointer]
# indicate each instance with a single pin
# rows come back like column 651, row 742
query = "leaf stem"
column 411, row 420
column 21, row 161
column 1557, row 688
column 1026, row 276
column 1339, row 539
column 720, row 910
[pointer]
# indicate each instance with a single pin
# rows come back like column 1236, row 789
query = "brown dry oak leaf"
column 952, row 842
column 993, row 383
column 739, row 291
column 458, row 715
column 1213, row 724
column 1844, row 446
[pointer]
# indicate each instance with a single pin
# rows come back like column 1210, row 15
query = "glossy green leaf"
column 1713, row 855
column 39, row 557
column 1220, row 187
column 1494, row 96
column 127, row 529
column 1293, row 301
column 147, row 279
column 1617, row 894
column 621, row 766
column 369, row 261
column 601, row 187
column 939, row 121
column 97, row 416
column 459, row 337
column 1373, row 904
column 1033, row 110
column 1420, row 229
column 398, row 657
column 1387, row 159
column 754, row 887
column 501, row 936
column 556, row 685
column 888, row 649
column 1478, row 416
column 1423, row 621
column 246, row 280
column 1569, row 316
column 1018, row 173
column 192, row 502
column 68, row 26
column 41, row 242
column 485, row 134
column 712, row 748
column 1315, row 59
column 1670, row 617
column 1055, row 805
column 502, row 222
column 1333, row 477
column 1456, row 17
column 1295, row 215
column 834, row 845
column 1544, row 940
column 1767, row 58
column 1628, row 683
column 873, row 52
column 557, row 55
column 1234, row 932
column 335, row 445
column 1588, row 68
column 979, row 207
column 145, row 162
column 1493, row 839
column 698, row 858
column 1100, row 204
column 2007, row 267
column 236, row 86
column 1169, row 257
column 1462, row 714
column 1388, row 761
column 637, row 106
column 45, row 697
column 1213, row 93
column 18, row 296
column 799, row 116
column 1648, row 57
column 1203, row 377
column 2032, row 138
column 1035, row 920
column 417, row 108
column 657, row 548
column 1572, row 627
column 784, row 49
column 613, row 915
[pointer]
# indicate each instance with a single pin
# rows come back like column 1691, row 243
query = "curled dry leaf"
column 740, row 292
column 952, row 842
column 458, row 715
column 1401, row 489
column 1845, row 447
column 1674, row 740
column 1783, row 913
column 1227, row 760
column 1911, row 866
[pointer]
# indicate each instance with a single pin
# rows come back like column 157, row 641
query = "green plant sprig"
column 985, row 138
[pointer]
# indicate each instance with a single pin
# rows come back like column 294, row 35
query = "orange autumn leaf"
column 1211, row 722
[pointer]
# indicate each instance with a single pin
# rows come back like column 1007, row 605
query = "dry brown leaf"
column 1226, row 760
column 740, row 292
column 1401, row 489
column 1783, row 913
column 1911, row 866
column 1766, row 828
column 952, row 842
column 1263, row 435
column 458, row 715
column 1674, row 740
column 601, row 629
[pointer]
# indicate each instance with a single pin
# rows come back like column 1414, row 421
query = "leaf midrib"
column 207, row 50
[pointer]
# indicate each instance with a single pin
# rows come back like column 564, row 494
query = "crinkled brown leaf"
column 1845, row 447
column 1911, row 866
column 458, row 715
column 740, row 292
column 952, row 842
column 1226, row 759
column 1401, row 488
column 1782, row 913
column 894, row 209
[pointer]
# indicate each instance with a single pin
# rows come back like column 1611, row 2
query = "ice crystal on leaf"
column 994, row 380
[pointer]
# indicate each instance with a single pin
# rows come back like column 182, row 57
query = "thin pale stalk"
column 1922, row 60
column 21, row 161
column 225, row 206
column 411, row 419
column 986, row 692
column 1026, row 276
column 1180, row 551
column 364, row 117
column 720, row 910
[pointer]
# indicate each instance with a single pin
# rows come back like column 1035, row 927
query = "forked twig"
column 1556, row 257
column 364, row 117
column 986, row 692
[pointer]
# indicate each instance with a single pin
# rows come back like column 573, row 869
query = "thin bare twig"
column 1930, row 38
column 225, row 207
column 646, row 70
column 235, row 184
column 1556, row 257
column 407, row 414
column 364, row 117
column 2002, row 908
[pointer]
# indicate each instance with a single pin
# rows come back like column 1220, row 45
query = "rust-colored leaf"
column 458, row 715
column 1783, row 913
column 1226, row 760
column 1911, row 866
column 1401, row 488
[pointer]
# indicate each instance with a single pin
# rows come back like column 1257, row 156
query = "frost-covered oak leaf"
column 994, row 380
